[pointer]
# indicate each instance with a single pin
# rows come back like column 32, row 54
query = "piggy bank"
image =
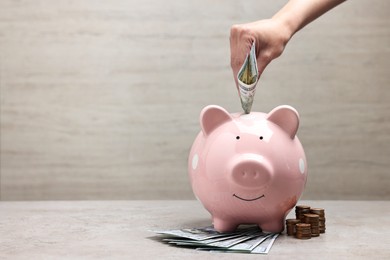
column 248, row 168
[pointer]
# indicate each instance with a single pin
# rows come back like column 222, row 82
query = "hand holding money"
column 253, row 46
column 272, row 35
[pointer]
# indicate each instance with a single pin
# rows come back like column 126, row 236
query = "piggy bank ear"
column 285, row 117
column 211, row 117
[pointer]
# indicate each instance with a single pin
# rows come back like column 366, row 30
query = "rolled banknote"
column 247, row 79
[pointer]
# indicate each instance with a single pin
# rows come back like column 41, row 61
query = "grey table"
column 119, row 229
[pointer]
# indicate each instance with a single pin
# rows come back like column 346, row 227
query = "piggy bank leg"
column 274, row 225
column 224, row 226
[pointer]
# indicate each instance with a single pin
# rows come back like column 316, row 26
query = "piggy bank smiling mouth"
column 234, row 195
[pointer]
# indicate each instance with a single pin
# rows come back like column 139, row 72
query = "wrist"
column 287, row 26
column 283, row 29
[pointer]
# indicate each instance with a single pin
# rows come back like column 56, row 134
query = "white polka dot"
column 301, row 165
column 195, row 160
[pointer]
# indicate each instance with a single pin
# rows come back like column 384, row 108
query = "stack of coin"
column 321, row 214
column 312, row 219
column 291, row 228
column 300, row 210
column 303, row 231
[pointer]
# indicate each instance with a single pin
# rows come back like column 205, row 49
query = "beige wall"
column 100, row 99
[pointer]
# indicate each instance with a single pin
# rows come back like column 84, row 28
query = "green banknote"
column 247, row 80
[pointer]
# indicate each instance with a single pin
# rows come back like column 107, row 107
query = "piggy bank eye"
column 237, row 137
column 261, row 138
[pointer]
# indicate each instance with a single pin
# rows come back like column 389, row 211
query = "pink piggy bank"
column 248, row 168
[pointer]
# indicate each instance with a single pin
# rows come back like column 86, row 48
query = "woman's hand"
column 270, row 37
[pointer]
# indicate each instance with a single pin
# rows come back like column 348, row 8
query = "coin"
column 303, row 231
column 300, row 210
column 313, row 220
column 290, row 226
column 309, row 222
column 321, row 213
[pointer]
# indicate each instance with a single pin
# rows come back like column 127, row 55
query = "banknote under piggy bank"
column 248, row 168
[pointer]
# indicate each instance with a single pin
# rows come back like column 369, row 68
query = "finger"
column 241, row 41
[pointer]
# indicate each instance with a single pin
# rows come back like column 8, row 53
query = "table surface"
column 120, row 229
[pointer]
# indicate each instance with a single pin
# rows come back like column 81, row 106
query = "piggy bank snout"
column 251, row 171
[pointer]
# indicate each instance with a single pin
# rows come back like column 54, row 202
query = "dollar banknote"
column 246, row 239
column 247, row 80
